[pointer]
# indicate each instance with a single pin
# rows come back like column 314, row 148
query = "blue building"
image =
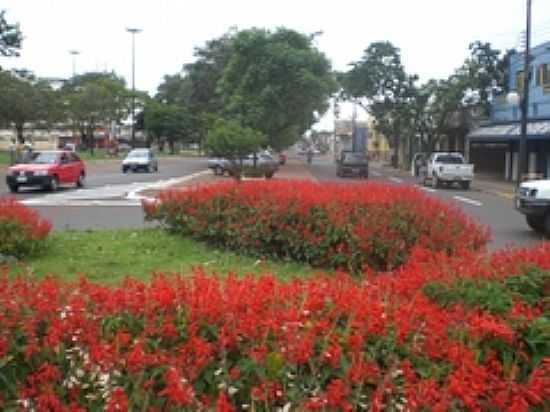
column 494, row 147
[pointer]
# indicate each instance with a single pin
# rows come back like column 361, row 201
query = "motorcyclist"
column 309, row 155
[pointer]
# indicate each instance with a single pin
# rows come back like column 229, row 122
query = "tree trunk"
column 19, row 130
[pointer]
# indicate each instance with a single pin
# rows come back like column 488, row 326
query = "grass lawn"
column 4, row 158
column 108, row 256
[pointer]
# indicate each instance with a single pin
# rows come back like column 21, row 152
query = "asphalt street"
column 508, row 227
column 107, row 201
column 103, row 203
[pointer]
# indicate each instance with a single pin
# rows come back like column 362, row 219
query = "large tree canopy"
column 26, row 100
column 93, row 99
column 276, row 82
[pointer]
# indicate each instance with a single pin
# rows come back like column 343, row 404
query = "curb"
column 163, row 184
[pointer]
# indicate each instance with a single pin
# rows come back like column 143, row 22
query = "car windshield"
column 138, row 154
column 450, row 159
column 46, row 158
column 354, row 157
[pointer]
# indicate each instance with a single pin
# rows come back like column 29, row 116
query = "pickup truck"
column 533, row 200
column 448, row 168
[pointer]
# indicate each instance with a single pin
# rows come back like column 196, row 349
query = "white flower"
column 232, row 390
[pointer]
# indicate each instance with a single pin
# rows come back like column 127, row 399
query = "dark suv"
column 353, row 163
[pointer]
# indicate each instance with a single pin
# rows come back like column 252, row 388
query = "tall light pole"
column 74, row 53
column 523, row 100
column 133, row 31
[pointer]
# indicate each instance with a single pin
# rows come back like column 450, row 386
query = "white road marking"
column 468, row 200
column 427, row 189
column 395, row 180
column 108, row 195
column 375, row 174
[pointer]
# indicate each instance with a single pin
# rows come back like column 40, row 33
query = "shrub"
column 328, row 225
column 22, row 230
column 329, row 343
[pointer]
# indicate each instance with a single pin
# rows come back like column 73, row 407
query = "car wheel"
column 81, row 180
column 465, row 185
column 124, row 170
column 54, row 183
column 14, row 188
column 269, row 175
column 156, row 168
column 536, row 223
column 218, row 171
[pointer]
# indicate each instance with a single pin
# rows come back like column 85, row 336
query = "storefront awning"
column 536, row 130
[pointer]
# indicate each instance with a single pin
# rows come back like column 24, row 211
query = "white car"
column 533, row 200
column 447, row 168
column 137, row 159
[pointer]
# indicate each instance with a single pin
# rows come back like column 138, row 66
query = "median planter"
column 348, row 227
column 22, row 230
column 442, row 333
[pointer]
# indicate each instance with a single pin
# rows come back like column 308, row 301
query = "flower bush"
column 330, row 225
column 22, row 230
column 461, row 332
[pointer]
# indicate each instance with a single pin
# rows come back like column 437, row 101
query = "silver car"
column 140, row 159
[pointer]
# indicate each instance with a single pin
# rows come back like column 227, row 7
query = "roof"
column 536, row 130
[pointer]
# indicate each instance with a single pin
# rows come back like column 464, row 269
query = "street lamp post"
column 133, row 31
column 74, row 53
column 523, row 101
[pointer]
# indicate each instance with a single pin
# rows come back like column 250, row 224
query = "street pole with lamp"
column 523, row 101
column 133, row 31
column 74, row 53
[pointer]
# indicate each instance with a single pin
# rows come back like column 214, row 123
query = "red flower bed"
column 329, row 225
column 22, row 230
column 444, row 333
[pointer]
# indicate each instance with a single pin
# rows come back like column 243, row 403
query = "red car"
column 47, row 169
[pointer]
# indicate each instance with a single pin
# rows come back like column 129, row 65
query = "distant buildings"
column 377, row 145
column 494, row 147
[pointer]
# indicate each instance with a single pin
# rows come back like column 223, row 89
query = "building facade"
column 494, row 147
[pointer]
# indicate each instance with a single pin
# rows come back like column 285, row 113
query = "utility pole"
column 74, row 53
column 133, row 31
column 525, row 99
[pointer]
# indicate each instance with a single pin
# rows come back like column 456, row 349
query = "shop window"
column 543, row 77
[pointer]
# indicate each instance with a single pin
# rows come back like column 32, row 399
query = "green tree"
column 26, row 100
column 379, row 83
column 229, row 139
column 10, row 37
column 95, row 99
column 166, row 122
column 277, row 83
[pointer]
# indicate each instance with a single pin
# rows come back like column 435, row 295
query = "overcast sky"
column 433, row 35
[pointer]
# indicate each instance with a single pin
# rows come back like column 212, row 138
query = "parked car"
column 447, row 168
column 143, row 159
column 533, row 200
column 218, row 165
column 265, row 165
column 352, row 163
column 47, row 169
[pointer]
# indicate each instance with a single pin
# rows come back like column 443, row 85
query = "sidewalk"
column 481, row 183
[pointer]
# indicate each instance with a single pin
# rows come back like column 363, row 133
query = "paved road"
column 104, row 202
column 507, row 226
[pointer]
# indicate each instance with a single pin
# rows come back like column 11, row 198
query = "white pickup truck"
column 533, row 200
column 447, row 168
